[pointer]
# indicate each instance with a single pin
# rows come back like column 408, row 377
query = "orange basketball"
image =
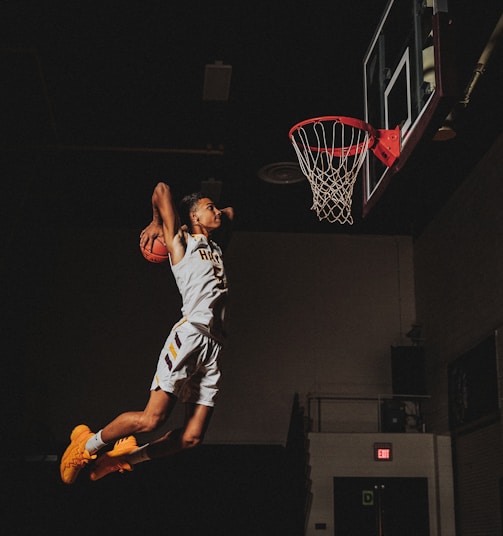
column 159, row 252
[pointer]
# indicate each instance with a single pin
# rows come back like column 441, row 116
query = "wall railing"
column 398, row 413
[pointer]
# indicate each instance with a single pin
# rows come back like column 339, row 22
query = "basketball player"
column 188, row 363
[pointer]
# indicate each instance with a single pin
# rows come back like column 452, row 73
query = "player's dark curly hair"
column 187, row 205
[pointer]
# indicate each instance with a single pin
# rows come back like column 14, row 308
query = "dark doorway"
column 391, row 506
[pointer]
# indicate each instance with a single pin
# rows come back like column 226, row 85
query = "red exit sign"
column 383, row 452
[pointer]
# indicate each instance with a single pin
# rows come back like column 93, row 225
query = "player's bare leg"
column 197, row 419
column 157, row 410
column 84, row 443
column 125, row 453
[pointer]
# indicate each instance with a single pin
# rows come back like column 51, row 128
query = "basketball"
column 159, row 252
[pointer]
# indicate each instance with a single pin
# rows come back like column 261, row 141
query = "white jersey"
column 201, row 280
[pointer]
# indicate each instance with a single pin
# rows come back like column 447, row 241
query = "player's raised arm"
column 165, row 222
column 229, row 212
column 225, row 232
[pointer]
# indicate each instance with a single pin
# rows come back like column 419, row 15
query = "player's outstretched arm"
column 229, row 212
column 165, row 221
column 225, row 232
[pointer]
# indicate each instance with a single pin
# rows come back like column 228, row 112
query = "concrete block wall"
column 458, row 264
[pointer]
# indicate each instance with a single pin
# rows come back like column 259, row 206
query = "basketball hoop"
column 331, row 151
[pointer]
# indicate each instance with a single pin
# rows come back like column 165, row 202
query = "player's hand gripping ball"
column 159, row 252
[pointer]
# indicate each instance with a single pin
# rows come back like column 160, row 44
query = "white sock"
column 139, row 455
column 95, row 443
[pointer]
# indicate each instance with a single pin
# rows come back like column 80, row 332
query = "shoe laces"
column 84, row 459
column 122, row 440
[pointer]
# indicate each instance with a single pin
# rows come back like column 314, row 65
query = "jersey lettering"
column 209, row 256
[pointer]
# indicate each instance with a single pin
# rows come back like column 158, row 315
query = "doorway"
column 391, row 506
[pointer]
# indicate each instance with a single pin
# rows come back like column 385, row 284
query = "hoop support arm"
column 387, row 145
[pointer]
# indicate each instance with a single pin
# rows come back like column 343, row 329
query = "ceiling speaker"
column 217, row 81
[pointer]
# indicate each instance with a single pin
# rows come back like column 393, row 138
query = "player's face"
column 207, row 214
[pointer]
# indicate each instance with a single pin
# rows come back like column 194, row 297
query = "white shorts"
column 188, row 366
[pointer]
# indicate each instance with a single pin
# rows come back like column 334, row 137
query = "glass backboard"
column 407, row 82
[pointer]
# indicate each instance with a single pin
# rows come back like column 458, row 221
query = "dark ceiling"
column 105, row 98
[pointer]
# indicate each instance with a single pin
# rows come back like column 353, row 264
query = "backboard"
column 408, row 82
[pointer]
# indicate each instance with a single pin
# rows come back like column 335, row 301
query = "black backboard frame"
column 409, row 79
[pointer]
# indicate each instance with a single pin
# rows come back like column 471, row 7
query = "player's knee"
column 150, row 423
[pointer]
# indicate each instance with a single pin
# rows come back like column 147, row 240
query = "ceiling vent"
column 281, row 173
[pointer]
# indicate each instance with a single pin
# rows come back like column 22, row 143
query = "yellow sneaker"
column 76, row 456
column 114, row 460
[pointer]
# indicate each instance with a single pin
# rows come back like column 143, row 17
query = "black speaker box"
column 407, row 370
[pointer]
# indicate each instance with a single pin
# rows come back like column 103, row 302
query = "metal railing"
column 380, row 413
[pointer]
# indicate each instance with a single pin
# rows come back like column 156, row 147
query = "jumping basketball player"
column 188, row 363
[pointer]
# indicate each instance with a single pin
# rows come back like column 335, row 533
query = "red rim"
column 351, row 121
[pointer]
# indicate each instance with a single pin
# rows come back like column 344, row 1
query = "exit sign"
column 383, row 452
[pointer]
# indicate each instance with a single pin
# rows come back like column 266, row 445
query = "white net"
column 330, row 155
